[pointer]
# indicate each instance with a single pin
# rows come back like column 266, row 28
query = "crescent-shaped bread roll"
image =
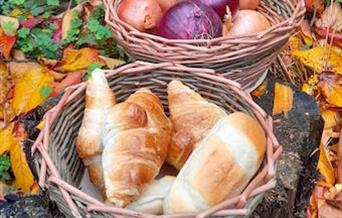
column 220, row 167
column 152, row 198
column 136, row 139
column 99, row 98
column 192, row 117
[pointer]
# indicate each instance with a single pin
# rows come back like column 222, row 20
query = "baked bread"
column 221, row 165
column 192, row 117
column 99, row 98
column 136, row 139
column 152, row 198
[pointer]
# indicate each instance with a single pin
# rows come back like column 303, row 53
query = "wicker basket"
column 244, row 59
column 61, row 170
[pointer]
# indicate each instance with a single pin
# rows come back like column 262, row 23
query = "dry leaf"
column 331, row 118
column 23, row 176
column 9, row 25
column 19, row 69
column 310, row 87
column 283, row 99
column 7, row 112
column 324, row 166
column 5, row 139
column 306, row 32
column 30, row 90
column 75, row 60
column 311, row 5
column 66, row 23
column 327, row 211
column 6, row 44
column 3, row 82
column 111, row 63
column 295, row 43
column 261, row 90
column 330, row 87
column 320, row 58
column 331, row 18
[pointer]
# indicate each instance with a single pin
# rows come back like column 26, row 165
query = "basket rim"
column 265, row 175
column 298, row 11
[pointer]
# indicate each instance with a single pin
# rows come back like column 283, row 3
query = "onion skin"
column 249, row 4
column 246, row 22
column 143, row 15
column 167, row 4
column 220, row 6
column 190, row 19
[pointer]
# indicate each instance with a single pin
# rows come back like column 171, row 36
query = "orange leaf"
column 283, row 99
column 6, row 44
column 261, row 90
column 30, row 90
column 74, row 60
column 23, row 176
column 3, row 82
column 331, row 118
column 324, row 166
column 330, row 86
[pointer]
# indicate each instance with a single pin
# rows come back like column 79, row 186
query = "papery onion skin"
column 143, row 15
column 249, row 4
column 190, row 19
column 220, row 6
column 167, row 4
column 247, row 22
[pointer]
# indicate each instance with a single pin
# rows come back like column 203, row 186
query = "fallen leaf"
column 6, row 44
column 295, row 43
column 261, row 90
column 9, row 25
column 19, row 69
column 306, row 32
column 111, row 63
column 327, row 211
column 75, row 60
column 331, row 18
column 66, row 23
column 23, row 176
column 310, row 87
column 311, row 5
column 331, row 118
column 283, row 99
column 324, row 166
column 320, row 58
column 57, row 33
column 18, row 55
column 32, row 22
column 6, row 138
column 72, row 79
column 330, row 86
column 3, row 82
column 27, row 90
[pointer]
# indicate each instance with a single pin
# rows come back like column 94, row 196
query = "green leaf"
column 47, row 14
column 5, row 166
column 17, row 2
column 86, row 39
column 53, row 26
column 45, row 91
column 91, row 68
column 23, row 32
column 53, row 2
column 9, row 27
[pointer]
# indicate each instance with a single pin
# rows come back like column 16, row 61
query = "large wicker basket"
column 244, row 59
column 61, row 170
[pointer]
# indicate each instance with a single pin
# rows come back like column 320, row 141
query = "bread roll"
column 192, row 117
column 99, row 98
column 151, row 200
column 136, row 138
column 221, row 165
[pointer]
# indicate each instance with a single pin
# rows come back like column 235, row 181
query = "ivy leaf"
column 5, row 166
column 53, row 2
column 23, row 32
column 17, row 2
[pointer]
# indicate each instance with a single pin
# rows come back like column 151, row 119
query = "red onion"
column 190, row 19
column 166, row 4
column 220, row 6
column 249, row 4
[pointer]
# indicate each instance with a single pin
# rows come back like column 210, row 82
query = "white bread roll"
column 221, row 165
column 151, row 200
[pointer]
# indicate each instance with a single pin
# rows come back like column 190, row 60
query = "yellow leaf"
column 283, row 99
column 6, row 139
column 330, row 87
column 75, row 60
column 331, row 118
column 261, row 90
column 295, row 43
column 28, row 90
column 324, row 166
column 66, row 23
column 23, row 176
column 311, row 85
column 319, row 59
column 3, row 81
column 111, row 63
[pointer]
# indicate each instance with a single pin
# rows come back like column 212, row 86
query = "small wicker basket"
column 244, row 59
column 61, row 170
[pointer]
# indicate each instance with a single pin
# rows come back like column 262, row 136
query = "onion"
column 246, row 22
column 249, row 4
column 190, row 19
column 220, row 6
column 166, row 4
column 143, row 15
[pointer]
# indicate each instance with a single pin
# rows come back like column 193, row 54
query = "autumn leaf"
column 27, row 91
column 75, row 60
column 6, row 139
column 261, row 90
column 111, row 63
column 9, row 25
column 324, row 166
column 331, row 118
column 306, row 33
column 295, row 43
column 3, row 82
column 320, row 58
column 66, row 23
column 23, row 176
column 330, row 86
column 311, row 5
column 283, row 99
column 6, row 44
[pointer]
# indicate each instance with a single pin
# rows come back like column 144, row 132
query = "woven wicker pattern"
column 58, row 163
column 243, row 58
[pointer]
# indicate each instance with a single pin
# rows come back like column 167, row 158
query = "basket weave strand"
column 61, row 170
column 244, row 59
